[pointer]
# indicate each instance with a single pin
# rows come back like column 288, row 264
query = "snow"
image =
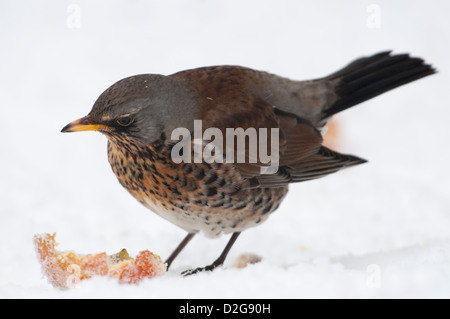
column 379, row 230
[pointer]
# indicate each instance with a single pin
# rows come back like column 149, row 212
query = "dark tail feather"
column 368, row 77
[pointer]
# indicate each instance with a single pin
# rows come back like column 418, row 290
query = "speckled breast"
column 212, row 198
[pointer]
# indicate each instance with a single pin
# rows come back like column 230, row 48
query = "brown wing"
column 301, row 154
column 318, row 165
column 303, row 158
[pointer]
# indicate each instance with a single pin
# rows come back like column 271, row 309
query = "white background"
column 380, row 230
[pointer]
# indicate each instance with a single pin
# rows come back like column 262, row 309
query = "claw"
column 197, row 270
column 218, row 262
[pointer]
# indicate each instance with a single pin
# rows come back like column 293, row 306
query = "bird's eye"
column 125, row 120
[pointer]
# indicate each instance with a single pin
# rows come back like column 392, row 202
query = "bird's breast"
column 209, row 197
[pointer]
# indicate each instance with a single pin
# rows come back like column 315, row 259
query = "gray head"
column 141, row 107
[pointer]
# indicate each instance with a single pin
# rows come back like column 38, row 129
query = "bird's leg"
column 179, row 248
column 218, row 262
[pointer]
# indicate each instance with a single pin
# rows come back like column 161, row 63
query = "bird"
column 139, row 115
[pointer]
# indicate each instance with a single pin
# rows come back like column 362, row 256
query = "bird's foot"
column 199, row 269
column 218, row 262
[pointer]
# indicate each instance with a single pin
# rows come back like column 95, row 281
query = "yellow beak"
column 83, row 124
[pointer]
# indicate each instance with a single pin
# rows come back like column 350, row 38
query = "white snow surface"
column 379, row 230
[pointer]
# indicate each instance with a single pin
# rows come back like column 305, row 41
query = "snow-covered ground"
column 380, row 230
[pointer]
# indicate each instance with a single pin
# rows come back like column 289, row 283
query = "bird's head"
column 140, row 107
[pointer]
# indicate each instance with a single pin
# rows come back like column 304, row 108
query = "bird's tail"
column 368, row 77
